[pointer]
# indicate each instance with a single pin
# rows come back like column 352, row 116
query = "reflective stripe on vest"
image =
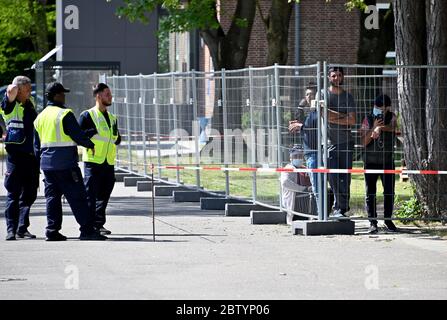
column 104, row 140
column 14, row 124
column 49, row 126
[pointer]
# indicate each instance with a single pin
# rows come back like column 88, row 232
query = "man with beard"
column 99, row 171
column 341, row 116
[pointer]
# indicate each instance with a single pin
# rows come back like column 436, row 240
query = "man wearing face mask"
column 378, row 134
column 294, row 182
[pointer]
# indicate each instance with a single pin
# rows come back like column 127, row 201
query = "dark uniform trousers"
column 99, row 180
column 21, row 182
column 68, row 183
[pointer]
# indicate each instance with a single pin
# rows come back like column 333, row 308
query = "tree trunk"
column 40, row 35
column 420, row 40
column 277, row 25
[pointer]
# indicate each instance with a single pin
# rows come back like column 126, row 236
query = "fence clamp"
column 219, row 103
column 273, row 102
column 247, row 102
column 191, row 101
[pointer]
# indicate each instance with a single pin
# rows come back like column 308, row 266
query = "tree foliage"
column 27, row 29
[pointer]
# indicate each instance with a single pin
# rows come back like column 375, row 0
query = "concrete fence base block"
column 147, row 185
column 318, row 228
column 120, row 176
column 243, row 209
column 213, row 203
column 268, row 217
column 163, row 191
column 132, row 181
column 190, row 196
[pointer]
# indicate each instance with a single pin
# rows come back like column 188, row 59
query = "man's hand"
column 377, row 129
column 294, row 126
column 11, row 92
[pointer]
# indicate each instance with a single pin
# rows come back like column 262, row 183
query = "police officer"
column 22, row 176
column 99, row 172
column 56, row 137
column 378, row 134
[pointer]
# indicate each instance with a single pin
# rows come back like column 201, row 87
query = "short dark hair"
column 100, row 87
column 311, row 86
column 382, row 100
column 336, row 68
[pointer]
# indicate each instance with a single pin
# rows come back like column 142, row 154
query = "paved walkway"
column 205, row 255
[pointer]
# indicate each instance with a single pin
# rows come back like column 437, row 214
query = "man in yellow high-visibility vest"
column 101, row 127
column 22, row 174
column 56, row 139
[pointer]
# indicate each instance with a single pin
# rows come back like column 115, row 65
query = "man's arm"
column 341, row 118
column 87, row 125
column 8, row 102
column 36, row 144
column 72, row 129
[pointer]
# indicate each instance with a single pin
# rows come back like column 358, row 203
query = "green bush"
column 410, row 209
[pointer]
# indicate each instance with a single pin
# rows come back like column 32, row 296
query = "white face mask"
column 377, row 111
column 297, row 163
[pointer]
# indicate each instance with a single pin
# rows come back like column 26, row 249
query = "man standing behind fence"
column 379, row 136
column 22, row 175
column 341, row 116
column 99, row 171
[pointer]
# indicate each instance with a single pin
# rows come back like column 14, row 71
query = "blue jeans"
column 312, row 163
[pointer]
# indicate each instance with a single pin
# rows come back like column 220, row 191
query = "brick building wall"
column 327, row 32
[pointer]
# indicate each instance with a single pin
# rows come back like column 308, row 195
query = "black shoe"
column 373, row 229
column 55, row 236
column 104, row 231
column 10, row 236
column 94, row 236
column 390, row 226
column 26, row 234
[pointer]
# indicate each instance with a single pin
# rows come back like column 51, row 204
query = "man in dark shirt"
column 341, row 116
column 22, row 174
column 56, row 137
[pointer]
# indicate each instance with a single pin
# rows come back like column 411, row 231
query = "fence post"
column 143, row 121
column 320, row 191
column 196, row 127
column 157, row 124
column 325, row 153
column 129, row 136
column 174, row 109
column 278, row 126
column 253, row 136
column 224, row 124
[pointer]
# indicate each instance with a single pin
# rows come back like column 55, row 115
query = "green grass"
column 240, row 183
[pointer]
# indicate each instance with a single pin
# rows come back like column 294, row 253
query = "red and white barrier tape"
column 305, row 170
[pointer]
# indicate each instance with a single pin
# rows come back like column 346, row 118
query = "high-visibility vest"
column 15, row 127
column 104, row 140
column 49, row 126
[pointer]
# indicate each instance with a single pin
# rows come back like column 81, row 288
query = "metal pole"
column 195, row 125
column 253, row 141
column 319, row 201
column 129, row 136
column 143, row 121
column 325, row 153
column 224, row 124
column 114, row 110
column 157, row 124
column 153, row 202
column 278, row 126
column 175, row 126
